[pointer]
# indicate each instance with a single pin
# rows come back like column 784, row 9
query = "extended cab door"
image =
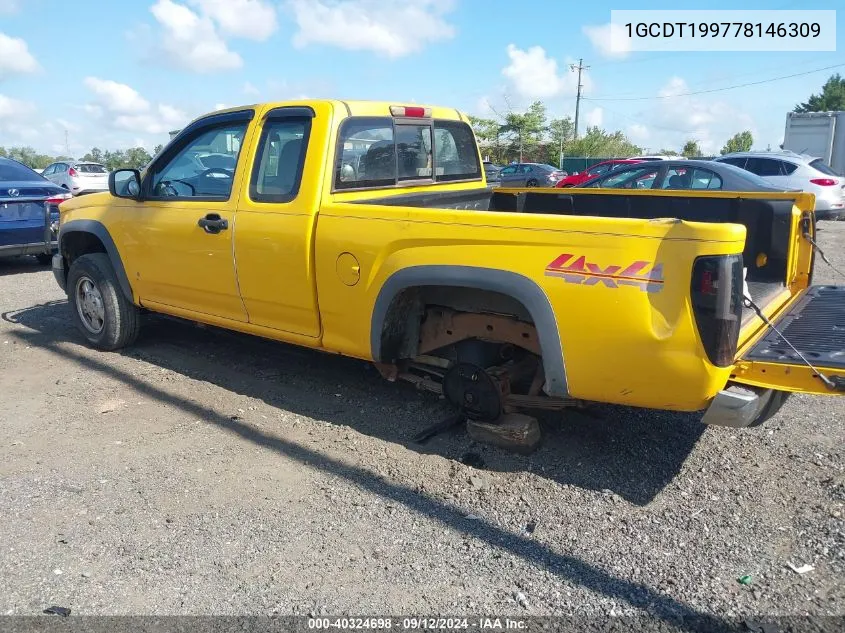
column 177, row 240
column 276, row 219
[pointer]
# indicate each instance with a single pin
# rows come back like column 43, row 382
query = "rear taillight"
column 824, row 182
column 716, row 295
column 72, row 173
column 58, row 199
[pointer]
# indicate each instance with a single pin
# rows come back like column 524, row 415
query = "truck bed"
column 767, row 221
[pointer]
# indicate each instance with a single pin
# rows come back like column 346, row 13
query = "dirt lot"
column 207, row 472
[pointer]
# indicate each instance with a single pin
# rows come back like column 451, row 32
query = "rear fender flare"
column 515, row 285
column 98, row 230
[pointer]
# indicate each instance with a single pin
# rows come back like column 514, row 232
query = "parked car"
column 593, row 171
column 514, row 296
column 683, row 174
column 78, row 177
column 530, row 175
column 491, row 171
column 29, row 212
column 796, row 171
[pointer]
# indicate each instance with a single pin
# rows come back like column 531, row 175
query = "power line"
column 699, row 92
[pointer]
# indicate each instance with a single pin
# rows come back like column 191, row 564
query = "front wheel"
column 531, row 183
column 100, row 310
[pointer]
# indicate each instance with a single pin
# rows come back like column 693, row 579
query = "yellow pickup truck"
column 367, row 229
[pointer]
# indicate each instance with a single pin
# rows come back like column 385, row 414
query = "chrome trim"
column 737, row 406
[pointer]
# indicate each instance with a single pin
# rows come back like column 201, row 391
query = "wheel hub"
column 89, row 304
column 476, row 393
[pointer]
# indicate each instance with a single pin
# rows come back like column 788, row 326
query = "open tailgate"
column 814, row 323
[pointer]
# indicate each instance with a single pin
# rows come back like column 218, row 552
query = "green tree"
column 832, row 97
column 136, row 157
column 487, row 135
column 599, row 143
column 524, row 131
column 740, row 142
column 157, row 149
column 668, row 152
column 560, row 132
column 29, row 157
column 94, row 156
column 114, row 159
column 691, row 149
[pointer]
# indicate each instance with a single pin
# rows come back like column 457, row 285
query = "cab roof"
column 355, row 107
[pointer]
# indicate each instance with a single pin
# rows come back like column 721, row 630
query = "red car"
column 573, row 180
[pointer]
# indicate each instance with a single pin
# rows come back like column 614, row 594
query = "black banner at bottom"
column 70, row 623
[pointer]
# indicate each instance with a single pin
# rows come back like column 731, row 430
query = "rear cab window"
column 91, row 168
column 387, row 152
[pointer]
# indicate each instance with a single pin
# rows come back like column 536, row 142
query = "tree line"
column 530, row 136
column 135, row 157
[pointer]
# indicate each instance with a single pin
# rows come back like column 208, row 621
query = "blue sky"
column 116, row 74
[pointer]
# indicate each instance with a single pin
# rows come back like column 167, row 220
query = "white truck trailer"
column 819, row 134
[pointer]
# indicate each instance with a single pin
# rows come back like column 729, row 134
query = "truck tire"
column 531, row 183
column 100, row 310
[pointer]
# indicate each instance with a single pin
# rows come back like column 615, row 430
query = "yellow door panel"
column 814, row 323
column 174, row 261
column 178, row 240
column 277, row 216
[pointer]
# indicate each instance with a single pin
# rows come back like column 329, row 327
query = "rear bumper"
column 59, row 271
column 740, row 406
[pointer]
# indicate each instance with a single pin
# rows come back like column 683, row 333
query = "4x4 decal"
column 647, row 276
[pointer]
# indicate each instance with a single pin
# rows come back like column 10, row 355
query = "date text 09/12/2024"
column 417, row 623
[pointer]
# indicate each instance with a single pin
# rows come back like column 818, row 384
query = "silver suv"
column 797, row 171
column 78, row 177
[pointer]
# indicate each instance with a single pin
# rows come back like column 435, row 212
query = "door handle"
column 213, row 223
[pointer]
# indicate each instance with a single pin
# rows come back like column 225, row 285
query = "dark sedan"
column 682, row 175
column 29, row 212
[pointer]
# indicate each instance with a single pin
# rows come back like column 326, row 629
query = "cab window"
column 277, row 172
column 204, row 168
column 383, row 152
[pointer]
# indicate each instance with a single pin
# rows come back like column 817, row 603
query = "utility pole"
column 579, row 68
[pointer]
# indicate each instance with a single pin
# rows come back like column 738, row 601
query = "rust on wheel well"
column 423, row 318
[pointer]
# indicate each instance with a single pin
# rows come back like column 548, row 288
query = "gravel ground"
column 204, row 472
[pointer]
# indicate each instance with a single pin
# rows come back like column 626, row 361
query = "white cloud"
column 159, row 121
column 116, row 97
column 594, row 117
column 121, row 107
column 221, row 106
column 534, row 75
column 250, row 89
column 12, row 110
column 250, row 19
column 191, row 41
column 609, row 40
column 637, row 132
column 390, row 28
column 675, row 120
column 15, row 57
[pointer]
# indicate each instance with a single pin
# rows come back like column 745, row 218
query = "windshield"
column 11, row 170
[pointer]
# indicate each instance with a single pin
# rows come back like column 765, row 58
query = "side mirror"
column 125, row 183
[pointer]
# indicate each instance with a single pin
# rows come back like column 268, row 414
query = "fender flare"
column 98, row 230
column 517, row 286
